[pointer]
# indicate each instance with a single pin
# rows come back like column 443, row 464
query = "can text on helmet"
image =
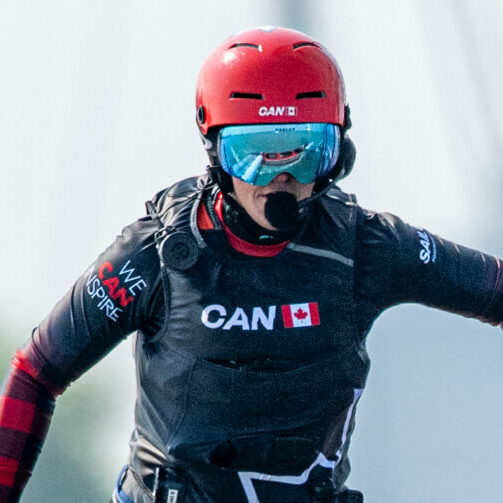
column 278, row 111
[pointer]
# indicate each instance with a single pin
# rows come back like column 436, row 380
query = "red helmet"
column 269, row 75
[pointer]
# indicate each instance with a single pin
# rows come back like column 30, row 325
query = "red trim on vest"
column 243, row 246
column 203, row 219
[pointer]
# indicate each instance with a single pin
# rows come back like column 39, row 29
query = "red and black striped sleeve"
column 120, row 293
column 26, row 406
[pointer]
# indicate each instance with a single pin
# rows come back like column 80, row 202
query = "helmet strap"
column 345, row 161
column 221, row 178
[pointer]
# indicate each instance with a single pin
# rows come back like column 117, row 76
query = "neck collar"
column 244, row 227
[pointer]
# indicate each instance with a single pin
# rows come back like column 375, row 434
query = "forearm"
column 77, row 333
column 26, row 406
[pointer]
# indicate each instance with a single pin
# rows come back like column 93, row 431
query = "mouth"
column 282, row 158
column 274, row 188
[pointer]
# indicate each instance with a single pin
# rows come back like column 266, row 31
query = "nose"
column 282, row 178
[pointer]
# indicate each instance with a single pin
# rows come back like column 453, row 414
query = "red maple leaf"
column 300, row 314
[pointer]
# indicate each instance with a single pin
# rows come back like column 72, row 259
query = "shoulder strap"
column 152, row 213
column 171, row 210
column 342, row 210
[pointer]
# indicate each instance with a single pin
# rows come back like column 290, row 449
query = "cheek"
column 305, row 191
column 246, row 194
column 256, row 201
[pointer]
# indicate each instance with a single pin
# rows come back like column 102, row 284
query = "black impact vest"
column 204, row 404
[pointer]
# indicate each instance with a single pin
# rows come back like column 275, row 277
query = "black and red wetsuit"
column 250, row 359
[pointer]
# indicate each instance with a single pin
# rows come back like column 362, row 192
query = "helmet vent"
column 311, row 94
column 298, row 45
column 245, row 44
column 247, row 96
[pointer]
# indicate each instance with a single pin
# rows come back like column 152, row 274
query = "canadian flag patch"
column 300, row 315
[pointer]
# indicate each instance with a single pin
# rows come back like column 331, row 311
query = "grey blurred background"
column 97, row 114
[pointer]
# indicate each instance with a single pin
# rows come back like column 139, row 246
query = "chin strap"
column 221, row 178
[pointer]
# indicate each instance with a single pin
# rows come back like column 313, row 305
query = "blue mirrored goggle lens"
column 258, row 153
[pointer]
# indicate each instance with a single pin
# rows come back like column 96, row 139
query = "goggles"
column 258, row 153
